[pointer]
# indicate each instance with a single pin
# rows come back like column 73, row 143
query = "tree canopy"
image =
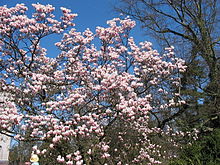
column 95, row 102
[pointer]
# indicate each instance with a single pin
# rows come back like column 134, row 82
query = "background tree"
column 204, row 151
column 85, row 105
column 20, row 153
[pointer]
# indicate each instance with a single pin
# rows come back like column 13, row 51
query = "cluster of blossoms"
column 92, row 104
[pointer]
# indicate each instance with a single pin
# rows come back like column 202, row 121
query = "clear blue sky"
column 91, row 13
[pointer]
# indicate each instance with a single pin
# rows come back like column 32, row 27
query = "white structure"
column 4, row 147
column 4, row 140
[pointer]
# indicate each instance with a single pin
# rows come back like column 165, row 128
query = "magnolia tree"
column 94, row 102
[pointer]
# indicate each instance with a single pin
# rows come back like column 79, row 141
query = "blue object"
column 35, row 163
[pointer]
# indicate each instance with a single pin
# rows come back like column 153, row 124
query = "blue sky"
column 91, row 13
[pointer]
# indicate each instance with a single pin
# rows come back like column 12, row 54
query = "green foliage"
column 20, row 152
column 205, row 151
